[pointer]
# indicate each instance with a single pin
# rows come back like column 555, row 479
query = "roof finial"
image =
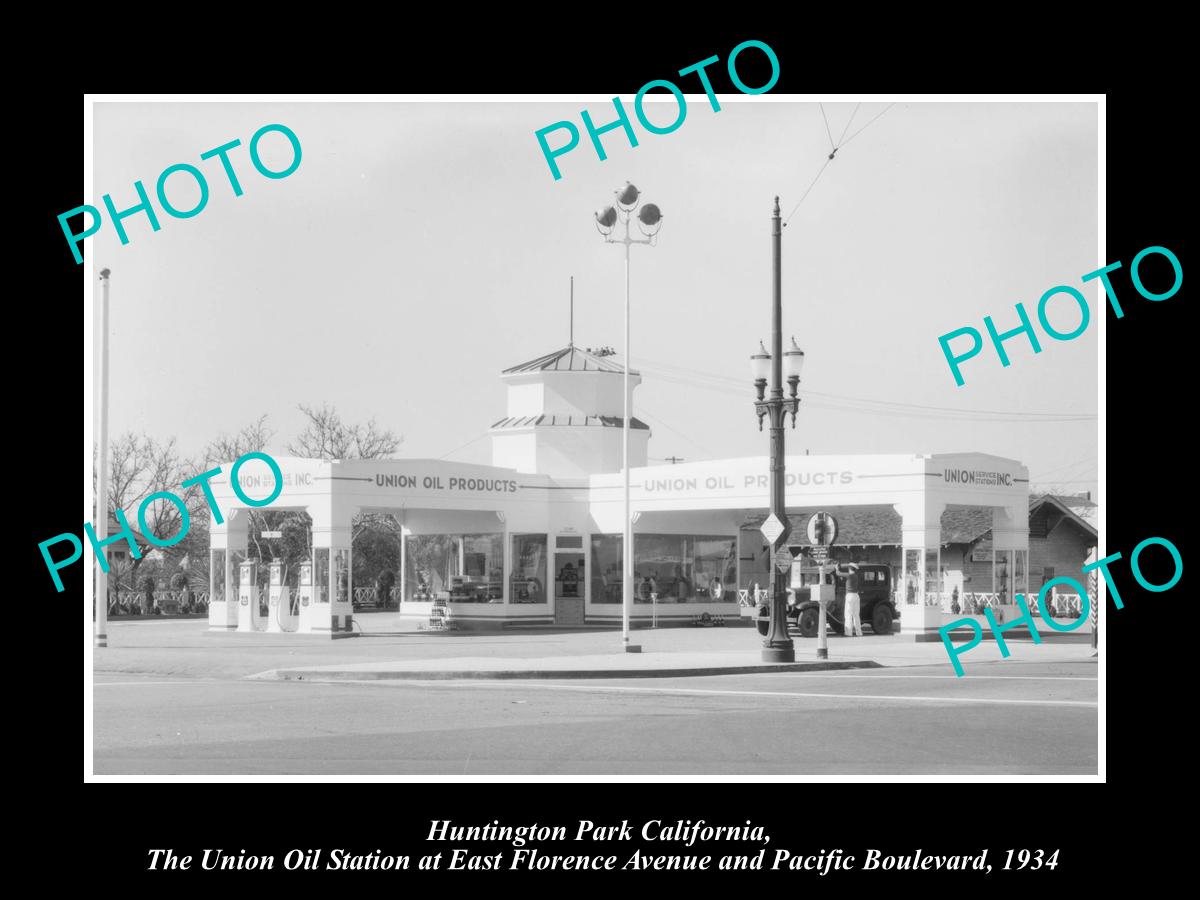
column 571, row 342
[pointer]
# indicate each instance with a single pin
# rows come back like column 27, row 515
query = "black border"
column 1146, row 440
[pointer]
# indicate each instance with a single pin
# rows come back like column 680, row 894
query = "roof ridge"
column 577, row 360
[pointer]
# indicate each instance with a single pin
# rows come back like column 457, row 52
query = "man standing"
column 853, row 626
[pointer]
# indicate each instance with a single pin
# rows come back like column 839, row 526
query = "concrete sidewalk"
column 388, row 650
column 614, row 665
column 678, row 662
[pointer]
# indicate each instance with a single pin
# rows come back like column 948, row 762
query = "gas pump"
column 280, row 618
column 249, row 616
column 325, row 599
column 304, row 596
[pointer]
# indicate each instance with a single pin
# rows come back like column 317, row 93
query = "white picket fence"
column 1062, row 605
column 744, row 598
column 368, row 596
column 132, row 603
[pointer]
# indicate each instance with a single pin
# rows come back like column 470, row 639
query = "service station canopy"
column 919, row 487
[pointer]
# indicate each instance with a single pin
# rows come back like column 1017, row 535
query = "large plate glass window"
column 528, row 581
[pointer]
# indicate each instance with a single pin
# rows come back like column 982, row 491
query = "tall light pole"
column 777, row 646
column 649, row 223
column 101, row 639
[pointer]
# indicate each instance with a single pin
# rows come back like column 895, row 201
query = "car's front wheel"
column 881, row 620
column 808, row 623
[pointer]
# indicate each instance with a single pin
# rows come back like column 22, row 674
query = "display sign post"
column 824, row 598
column 822, row 532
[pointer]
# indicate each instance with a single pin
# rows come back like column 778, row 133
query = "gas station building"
column 536, row 537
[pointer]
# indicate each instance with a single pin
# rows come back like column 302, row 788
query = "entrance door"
column 569, row 583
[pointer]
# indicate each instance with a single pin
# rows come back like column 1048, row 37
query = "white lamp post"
column 649, row 219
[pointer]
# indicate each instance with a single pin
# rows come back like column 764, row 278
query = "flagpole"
column 101, row 639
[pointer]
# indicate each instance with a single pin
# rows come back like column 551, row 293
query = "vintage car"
column 877, row 607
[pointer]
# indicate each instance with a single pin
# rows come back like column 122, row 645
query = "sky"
column 421, row 248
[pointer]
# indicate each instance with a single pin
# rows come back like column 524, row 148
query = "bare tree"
column 228, row 447
column 328, row 437
column 140, row 466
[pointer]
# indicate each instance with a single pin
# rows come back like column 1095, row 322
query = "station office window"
column 679, row 568
column 606, row 568
column 482, row 576
column 431, row 560
column 466, row 568
column 528, row 579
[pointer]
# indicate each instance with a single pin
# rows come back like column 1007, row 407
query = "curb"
column 1022, row 636
column 500, row 674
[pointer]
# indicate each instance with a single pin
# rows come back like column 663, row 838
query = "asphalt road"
column 1003, row 718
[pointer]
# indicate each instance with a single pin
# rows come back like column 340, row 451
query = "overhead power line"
column 1066, row 467
column 865, row 127
column 822, row 400
column 847, row 128
column 642, row 410
column 477, row 437
column 834, row 147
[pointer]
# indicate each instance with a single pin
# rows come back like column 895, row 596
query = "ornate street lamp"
column 649, row 219
column 776, row 365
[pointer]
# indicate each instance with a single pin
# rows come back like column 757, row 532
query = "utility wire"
column 842, row 406
column 660, row 421
column 947, row 416
column 822, row 400
column 464, row 446
column 848, row 121
column 952, row 409
column 1071, row 465
column 865, row 127
column 834, row 148
column 832, row 145
column 726, row 380
column 809, row 188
